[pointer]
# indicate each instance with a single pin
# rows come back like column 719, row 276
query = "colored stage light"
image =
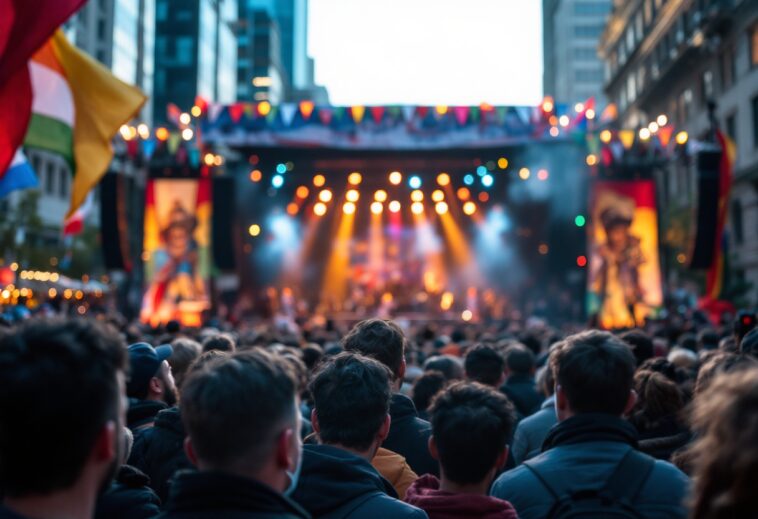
column 417, row 208
column 184, row 118
column 292, row 209
column 414, row 182
column 467, row 315
column 187, row 134
column 417, row 196
column 277, row 181
column 256, row 175
column 319, row 180
column 281, row 168
column 606, row 136
column 353, row 195
column 580, row 220
column 682, row 138
column 443, row 179
column 354, row 178
column 592, row 159
column 463, row 193
column 484, row 197
column 325, row 196
column 161, row 134
column 441, row 208
column 395, row 178
column 380, row 196
column 447, row 301
column 581, row 261
column 469, row 208
column 395, row 206
column 502, row 163
column 254, row 230
column 438, row 195
column 377, row 208
column 348, row 208
column 302, row 192
column 481, row 171
column 542, row 174
column 319, row 209
column 487, row 180
column 524, row 173
column 468, row 179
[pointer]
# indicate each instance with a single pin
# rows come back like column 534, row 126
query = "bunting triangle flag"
column 474, row 114
column 306, row 109
column 288, row 111
column 235, row 112
column 325, row 115
column 393, row 111
column 461, row 114
column 377, row 112
column 271, row 117
column 664, row 135
column 214, row 110
column 357, row 113
column 408, row 112
column 627, row 138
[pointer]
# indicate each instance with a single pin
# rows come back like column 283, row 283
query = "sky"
column 430, row 52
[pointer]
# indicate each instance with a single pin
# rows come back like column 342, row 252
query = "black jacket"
column 142, row 413
column 128, row 497
column 215, row 495
column 523, row 393
column 409, row 436
column 159, row 451
column 7, row 514
column 336, row 484
column 661, row 438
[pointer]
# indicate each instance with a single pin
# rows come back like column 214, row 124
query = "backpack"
column 614, row 501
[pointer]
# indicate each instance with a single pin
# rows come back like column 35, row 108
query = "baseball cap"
column 144, row 363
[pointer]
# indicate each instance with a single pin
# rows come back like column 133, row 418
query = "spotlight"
column 354, row 179
column 325, row 196
column 417, row 208
column 441, row 208
column 319, row 209
column 443, row 179
column 524, row 173
column 254, row 230
column 438, row 195
column 487, row 180
column 417, row 196
column 353, row 195
column 380, row 196
column 319, row 180
column 414, row 182
column 377, row 208
column 395, row 178
column 469, row 208
column 395, row 206
column 302, row 192
column 468, row 179
column 348, row 208
column 277, row 181
column 463, row 193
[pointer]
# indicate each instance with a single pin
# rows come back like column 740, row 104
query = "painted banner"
column 176, row 250
column 624, row 282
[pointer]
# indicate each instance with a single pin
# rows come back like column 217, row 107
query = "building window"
column 49, row 176
column 592, row 8
column 588, row 31
column 728, row 69
column 754, row 103
column 737, row 227
column 161, row 11
column 730, row 124
column 754, row 46
column 184, row 50
column 63, row 182
column 685, row 105
column 706, row 86
column 584, row 75
column 585, row 53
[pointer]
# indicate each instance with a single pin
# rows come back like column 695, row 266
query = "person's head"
column 241, row 415
column 351, row 398
column 381, row 340
column 725, row 455
column 640, row 343
column 62, row 407
column 720, row 363
column 312, row 355
column 150, row 375
column 594, row 373
column 485, row 365
column 447, row 365
column 471, row 424
column 184, row 353
column 519, row 360
column 658, row 397
column 425, row 387
column 749, row 344
column 545, row 381
column 708, row 339
column 220, row 341
column 743, row 323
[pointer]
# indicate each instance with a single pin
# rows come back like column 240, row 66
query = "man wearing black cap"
column 151, row 386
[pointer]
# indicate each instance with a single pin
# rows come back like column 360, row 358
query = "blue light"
column 281, row 168
column 468, row 179
column 277, row 181
column 481, row 171
column 414, row 182
column 487, row 180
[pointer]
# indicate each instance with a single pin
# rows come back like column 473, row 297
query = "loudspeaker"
column 223, row 226
column 115, row 193
column 705, row 211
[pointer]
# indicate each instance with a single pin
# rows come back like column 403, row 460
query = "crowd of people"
column 102, row 419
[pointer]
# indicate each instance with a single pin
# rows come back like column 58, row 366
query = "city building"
column 696, row 63
column 195, row 53
column 572, row 69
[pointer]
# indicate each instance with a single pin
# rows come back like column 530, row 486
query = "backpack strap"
column 630, row 476
column 542, row 480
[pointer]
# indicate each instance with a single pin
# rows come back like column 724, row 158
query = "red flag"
column 24, row 27
column 172, row 113
column 235, row 111
column 422, row 111
column 461, row 114
column 325, row 115
column 377, row 112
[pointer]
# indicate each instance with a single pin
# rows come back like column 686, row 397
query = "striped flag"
column 20, row 175
column 714, row 283
column 78, row 106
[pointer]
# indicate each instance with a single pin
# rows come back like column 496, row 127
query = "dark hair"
column 640, row 343
column 708, row 339
column 749, row 344
column 519, row 359
column 380, row 340
column 595, row 370
column 531, row 341
column 221, row 342
column 234, row 406
column 471, row 424
column 58, row 387
column 483, row 364
column 447, row 365
column 351, row 396
column 659, row 398
column 725, row 455
column 425, row 387
column 663, row 366
column 312, row 355
column 184, row 353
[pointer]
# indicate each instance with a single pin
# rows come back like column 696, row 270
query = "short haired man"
column 409, row 435
column 485, row 365
column 351, row 396
column 151, row 386
column 62, row 407
column 243, row 434
column 594, row 389
column 220, row 342
column 640, row 343
column 519, row 383
column 471, row 424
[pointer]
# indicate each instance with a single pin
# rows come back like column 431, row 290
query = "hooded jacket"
column 337, row 484
column 394, row 469
column 213, row 495
column 425, row 493
column 532, row 430
column 409, row 436
column 129, row 497
column 141, row 414
column 522, row 391
column 159, row 451
column 583, row 451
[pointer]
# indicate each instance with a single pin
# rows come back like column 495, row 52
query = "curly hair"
column 725, row 457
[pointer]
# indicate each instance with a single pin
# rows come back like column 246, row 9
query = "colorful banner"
column 177, row 251
column 624, row 282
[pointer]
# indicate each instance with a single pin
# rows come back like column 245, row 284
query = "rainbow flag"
column 714, row 281
column 77, row 108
